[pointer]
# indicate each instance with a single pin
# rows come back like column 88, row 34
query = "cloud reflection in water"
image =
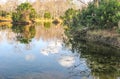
column 66, row 61
column 29, row 57
column 52, row 48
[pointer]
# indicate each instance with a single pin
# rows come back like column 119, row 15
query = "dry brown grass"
column 104, row 33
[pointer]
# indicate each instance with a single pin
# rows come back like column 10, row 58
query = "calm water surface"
column 40, row 52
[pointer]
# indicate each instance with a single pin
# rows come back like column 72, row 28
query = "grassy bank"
column 106, row 37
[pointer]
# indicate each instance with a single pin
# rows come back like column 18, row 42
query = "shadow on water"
column 103, row 61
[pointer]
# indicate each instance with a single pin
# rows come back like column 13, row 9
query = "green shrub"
column 68, row 17
column 47, row 15
column 16, row 16
column 24, row 12
column 106, row 16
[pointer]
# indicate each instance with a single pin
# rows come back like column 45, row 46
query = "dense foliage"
column 106, row 16
column 68, row 17
column 24, row 12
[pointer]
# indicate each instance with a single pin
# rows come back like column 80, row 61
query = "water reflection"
column 24, row 33
column 67, row 61
column 30, row 57
column 34, row 51
column 51, row 33
column 52, row 48
column 39, row 52
column 103, row 61
column 47, row 25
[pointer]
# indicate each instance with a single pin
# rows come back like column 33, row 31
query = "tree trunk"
column 119, row 24
column 96, row 2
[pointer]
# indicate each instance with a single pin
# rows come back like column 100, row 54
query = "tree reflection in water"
column 104, row 61
column 25, row 33
column 88, row 59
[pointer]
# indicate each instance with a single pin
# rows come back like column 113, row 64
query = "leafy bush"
column 16, row 16
column 68, row 17
column 47, row 15
column 24, row 12
column 106, row 16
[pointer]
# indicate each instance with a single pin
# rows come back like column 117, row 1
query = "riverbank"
column 37, row 20
column 106, row 37
column 4, row 19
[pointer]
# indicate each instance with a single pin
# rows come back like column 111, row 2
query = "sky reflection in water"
column 44, row 57
column 37, row 52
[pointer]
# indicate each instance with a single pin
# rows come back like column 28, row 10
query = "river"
column 41, row 52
